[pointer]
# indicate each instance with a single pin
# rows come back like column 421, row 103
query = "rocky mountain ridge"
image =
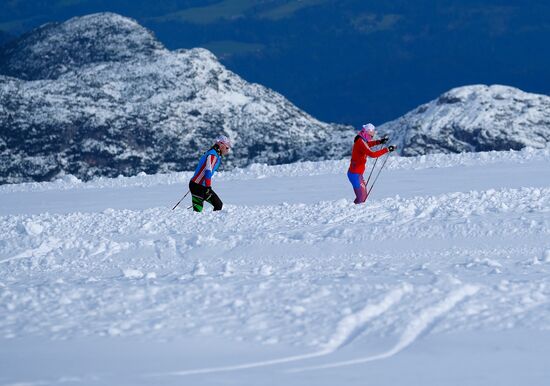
column 474, row 118
column 100, row 96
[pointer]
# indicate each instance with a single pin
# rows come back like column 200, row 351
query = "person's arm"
column 374, row 143
column 380, row 141
column 210, row 162
column 374, row 154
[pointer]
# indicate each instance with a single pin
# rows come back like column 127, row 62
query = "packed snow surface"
column 442, row 277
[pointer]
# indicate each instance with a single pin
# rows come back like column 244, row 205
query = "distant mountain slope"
column 100, row 96
column 350, row 60
column 57, row 48
column 474, row 118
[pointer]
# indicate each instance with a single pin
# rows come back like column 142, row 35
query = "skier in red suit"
column 361, row 149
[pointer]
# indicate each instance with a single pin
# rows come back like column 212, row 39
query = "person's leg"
column 359, row 188
column 214, row 200
column 197, row 196
column 361, row 192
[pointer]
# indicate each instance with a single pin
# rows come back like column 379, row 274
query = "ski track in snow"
column 319, row 276
column 346, row 330
column 412, row 331
column 350, row 326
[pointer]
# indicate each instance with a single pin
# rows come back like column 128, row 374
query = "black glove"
column 391, row 148
column 384, row 139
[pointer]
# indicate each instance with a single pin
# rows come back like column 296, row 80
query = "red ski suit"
column 361, row 149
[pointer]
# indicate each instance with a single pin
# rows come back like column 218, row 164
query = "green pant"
column 200, row 193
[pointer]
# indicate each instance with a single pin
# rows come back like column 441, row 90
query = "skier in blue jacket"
column 200, row 184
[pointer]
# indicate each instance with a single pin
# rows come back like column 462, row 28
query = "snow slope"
column 441, row 278
column 474, row 118
column 109, row 99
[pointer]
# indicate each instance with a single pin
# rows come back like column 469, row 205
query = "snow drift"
column 444, row 273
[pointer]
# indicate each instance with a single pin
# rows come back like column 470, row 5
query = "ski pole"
column 379, row 171
column 370, row 174
column 175, row 206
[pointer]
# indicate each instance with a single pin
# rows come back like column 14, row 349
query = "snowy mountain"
column 100, row 96
column 441, row 278
column 474, row 118
column 346, row 60
column 54, row 49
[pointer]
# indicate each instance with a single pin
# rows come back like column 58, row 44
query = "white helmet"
column 224, row 140
column 367, row 132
